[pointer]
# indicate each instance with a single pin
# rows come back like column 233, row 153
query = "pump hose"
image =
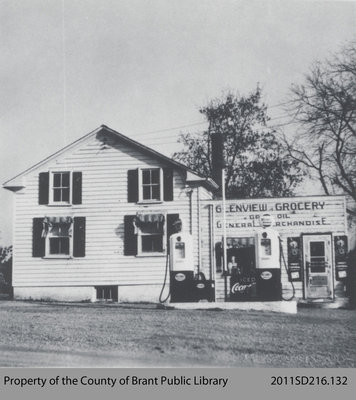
column 164, row 283
column 281, row 257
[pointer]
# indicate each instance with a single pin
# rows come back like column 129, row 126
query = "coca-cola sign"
column 241, row 288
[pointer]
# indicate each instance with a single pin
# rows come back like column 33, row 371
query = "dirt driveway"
column 92, row 335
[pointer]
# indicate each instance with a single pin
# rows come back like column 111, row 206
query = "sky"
column 144, row 67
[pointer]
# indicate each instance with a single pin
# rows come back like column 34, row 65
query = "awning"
column 58, row 220
column 240, row 242
column 49, row 224
column 145, row 218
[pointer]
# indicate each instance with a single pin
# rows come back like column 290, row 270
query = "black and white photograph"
column 178, row 187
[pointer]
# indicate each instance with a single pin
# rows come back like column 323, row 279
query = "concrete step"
column 289, row 307
column 324, row 303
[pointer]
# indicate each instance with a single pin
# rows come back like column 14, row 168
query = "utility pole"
column 218, row 166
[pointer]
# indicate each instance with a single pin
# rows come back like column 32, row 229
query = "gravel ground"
column 97, row 335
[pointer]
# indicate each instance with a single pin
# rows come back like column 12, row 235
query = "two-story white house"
column 92, row 221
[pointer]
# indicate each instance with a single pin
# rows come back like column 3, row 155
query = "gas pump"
column 181, row 266
column 340, row 245
column 294, row 259
column 268, row 269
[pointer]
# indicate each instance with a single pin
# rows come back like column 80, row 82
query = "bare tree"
column 325, row 108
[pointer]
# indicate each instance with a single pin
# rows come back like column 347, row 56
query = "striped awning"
column 58, row 220
column 50, row 223
column 149, row 218
column 239, row 242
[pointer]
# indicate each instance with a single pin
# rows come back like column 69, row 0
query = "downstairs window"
column 107, row 293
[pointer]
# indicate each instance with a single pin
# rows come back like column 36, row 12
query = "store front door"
column 318, row 266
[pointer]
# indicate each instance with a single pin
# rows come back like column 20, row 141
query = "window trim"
column 140, row 187
column 51, row 201
column 141, row 253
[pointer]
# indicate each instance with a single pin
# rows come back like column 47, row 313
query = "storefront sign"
column 306, row 213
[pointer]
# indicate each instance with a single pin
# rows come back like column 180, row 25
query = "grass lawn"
column 92, row 335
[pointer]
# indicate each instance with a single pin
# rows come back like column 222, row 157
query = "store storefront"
column 301, row 255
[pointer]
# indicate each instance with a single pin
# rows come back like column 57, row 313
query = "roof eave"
column 11, row 184
column 13, row 187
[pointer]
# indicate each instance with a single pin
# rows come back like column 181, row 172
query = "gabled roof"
column 15, row 183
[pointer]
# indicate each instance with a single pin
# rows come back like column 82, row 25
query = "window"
column 147, row 234
column 150, row 184
column 58, row 235
column 150, row 237
column 317, row 257
column 107, row 293
column 317, row 251
column 59, row 241
column 60, row 187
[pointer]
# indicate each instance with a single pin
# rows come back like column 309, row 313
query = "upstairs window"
column 60, row 187
column 150, row 184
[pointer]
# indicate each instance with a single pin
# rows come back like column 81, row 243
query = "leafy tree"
column 5, row 269
column 256, row 161
column 5, row 255
column 325, row 108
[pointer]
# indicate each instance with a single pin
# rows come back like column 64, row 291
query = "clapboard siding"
column 104, row 205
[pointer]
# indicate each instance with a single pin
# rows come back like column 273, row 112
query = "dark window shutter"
column 132, row 185
column 79, row 237
column 130, row 238
column 168, row 184
column 43, row 188
column 77, row 188
column 38, row 242
column 171, row 218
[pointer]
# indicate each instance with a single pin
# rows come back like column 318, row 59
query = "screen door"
column 317, row 257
